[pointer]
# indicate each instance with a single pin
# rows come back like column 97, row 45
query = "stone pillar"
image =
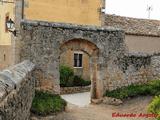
column 93, row 77
column 54, row 76
column 96, row 85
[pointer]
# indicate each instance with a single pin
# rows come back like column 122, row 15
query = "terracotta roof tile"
column 134, row 25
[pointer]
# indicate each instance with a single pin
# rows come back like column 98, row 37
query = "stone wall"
column 71, row 90
column 44, row 42
column 111, row 65
column 135, row 68
column 155, row 65
column 16, row 91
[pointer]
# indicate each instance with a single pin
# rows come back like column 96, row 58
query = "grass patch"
column 45, row 103
column 151, row 88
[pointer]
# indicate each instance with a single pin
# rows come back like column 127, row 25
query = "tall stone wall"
column 43, row 43
column 16, row 91
column 134, row 68
column 111, row 64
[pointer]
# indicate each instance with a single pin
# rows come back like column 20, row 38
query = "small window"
column 78, row 60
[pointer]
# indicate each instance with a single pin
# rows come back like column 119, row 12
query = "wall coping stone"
column 13, row 77
column 70, row 26
column 142, row 54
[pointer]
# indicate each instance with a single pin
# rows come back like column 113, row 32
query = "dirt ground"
column 104, row 112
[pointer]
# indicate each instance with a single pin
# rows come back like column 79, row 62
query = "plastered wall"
column 66, row 11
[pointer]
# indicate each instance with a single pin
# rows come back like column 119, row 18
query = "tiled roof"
column 134, row 26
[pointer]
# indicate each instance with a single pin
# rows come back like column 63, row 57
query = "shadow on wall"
column 5, row 56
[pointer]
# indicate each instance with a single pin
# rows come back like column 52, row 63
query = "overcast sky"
column 133, row 8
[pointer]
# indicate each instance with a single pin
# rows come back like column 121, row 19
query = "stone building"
column 44, row 42
column 84, row 12
column 142, row 35
column 6, row 12
column 111, row 64
column 50, row 44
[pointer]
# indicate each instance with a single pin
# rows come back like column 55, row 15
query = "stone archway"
column 43, row 42
column 93, row 52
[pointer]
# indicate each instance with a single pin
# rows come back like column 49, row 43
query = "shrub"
column 66, row 76
column 155, row 86
column 87, row 83
column 45, row 103
column 154, row 106
column 78, row 81
column 151, row 88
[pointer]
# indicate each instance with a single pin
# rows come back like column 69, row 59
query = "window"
column 78, row 59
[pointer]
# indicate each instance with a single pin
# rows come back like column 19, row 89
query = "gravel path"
column 78, row 99
column 104, row 112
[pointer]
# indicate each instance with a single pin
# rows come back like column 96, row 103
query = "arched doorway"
column 90, row 49
column 41, row 42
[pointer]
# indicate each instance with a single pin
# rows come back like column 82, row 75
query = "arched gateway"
column 93, row 52
column 43, row 43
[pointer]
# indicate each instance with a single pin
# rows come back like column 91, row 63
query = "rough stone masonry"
column 110, row 63
column 16, row 91
column 43, row 42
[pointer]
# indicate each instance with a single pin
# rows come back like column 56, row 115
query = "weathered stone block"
column 16, row 91
column 112, row 101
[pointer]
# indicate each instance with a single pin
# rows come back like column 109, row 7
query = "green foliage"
column 155, row 86
column 67, row 78
column 78, row 81
column 154, row 106
column 151, row 88
column 45, row 103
